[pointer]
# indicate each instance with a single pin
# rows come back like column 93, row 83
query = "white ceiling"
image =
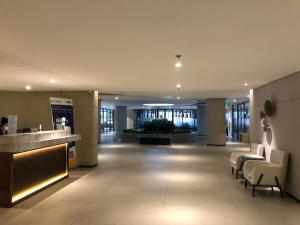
column 129, row 46
column 137, row 102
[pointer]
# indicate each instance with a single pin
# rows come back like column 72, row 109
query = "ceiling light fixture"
column 178, row 63
column 178, row 98
column 246, row 84
column 178, row 86
column 158, row 104
column 52, row 81
column 116, row 98
column 28, row 87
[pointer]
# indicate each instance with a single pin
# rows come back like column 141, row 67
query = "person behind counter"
column 3, row 126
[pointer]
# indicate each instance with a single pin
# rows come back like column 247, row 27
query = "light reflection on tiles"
column 158, row 185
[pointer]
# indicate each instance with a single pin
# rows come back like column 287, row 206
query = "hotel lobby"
column 149, row 112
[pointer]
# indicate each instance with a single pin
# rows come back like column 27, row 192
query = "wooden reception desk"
column 30, row 162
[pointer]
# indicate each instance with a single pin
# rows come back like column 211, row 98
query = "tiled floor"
column 148, row 185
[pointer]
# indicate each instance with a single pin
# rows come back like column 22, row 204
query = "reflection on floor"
column 108, row 137
column 155, row 185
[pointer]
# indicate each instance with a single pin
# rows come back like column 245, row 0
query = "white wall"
column 285, row 124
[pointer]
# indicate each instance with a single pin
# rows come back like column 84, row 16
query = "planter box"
column 176, row 138
column 155, row 140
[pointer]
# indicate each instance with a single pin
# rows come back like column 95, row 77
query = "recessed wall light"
column 178, row 86
column 52, row 81
column 246, row 84
column 116, row 98
column 28, row 87
column 178, row 97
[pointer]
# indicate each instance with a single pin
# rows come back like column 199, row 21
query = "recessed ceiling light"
column 52, row 81
column 178, row 63
column 178, row 86
column 116, row 98
column 178, row 97
column 246, row 84
column 158, row 104
column 28, row 87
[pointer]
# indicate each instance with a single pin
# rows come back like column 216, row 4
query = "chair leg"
column 272, row 188
column 232, row 170
column 253, row 191
column 236, row 174
column 281, row 191
column 280, row 188
column 246, row 183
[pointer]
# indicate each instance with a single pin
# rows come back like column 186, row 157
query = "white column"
column 121, row 118
column 130, row 119
column 216, row 121
column 201, row 119
column 86, row 123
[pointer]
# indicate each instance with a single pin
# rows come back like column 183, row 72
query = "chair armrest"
column 235, row 155
column 250, row 164
column 269, row 172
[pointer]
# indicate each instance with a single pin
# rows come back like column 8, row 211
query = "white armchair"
column 262, row 173
column 237, row 159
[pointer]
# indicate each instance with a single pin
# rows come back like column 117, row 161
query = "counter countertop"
column 15, row 143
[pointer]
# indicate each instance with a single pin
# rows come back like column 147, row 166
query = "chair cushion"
column 256, row 153
column 243, row 158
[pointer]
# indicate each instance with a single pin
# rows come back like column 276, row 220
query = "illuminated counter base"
column 25, row 173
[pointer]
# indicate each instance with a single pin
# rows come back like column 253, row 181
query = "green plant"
column 185, row 127
column 159, row 125
column 132, row 131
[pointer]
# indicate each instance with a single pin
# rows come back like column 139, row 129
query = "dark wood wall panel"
column 22, row 171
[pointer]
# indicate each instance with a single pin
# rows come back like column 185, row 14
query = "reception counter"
column 30, row 162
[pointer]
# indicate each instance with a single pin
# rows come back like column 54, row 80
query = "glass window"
column 106, row 120
column 178, row 116
column 237, row 119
